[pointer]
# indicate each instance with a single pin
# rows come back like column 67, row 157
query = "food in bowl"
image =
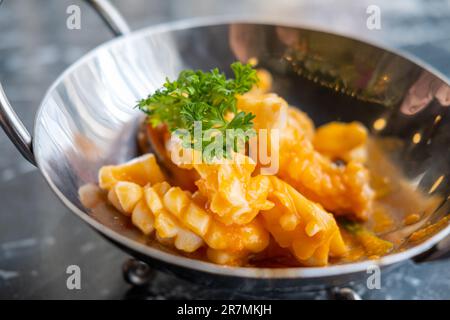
column 279, row 192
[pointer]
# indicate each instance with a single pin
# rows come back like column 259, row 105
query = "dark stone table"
column 40, row 238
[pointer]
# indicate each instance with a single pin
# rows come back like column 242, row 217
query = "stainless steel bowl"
column 87, row 120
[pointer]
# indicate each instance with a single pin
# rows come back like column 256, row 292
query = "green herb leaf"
column 351, row 226
column 206, row 97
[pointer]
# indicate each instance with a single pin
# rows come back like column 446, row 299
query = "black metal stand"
column 140, row 275
column 344, row 294
column 137, row 273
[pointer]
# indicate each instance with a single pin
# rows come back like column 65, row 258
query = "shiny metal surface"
column 87, row 118
column 14, row 128
column 345, row 294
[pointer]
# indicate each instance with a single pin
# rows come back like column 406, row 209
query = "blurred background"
column 39, row 238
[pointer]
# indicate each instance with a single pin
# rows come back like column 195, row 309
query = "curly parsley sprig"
column 202, row 97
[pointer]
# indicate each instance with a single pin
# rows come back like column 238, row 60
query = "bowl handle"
column 15, row 129
column 10, row 122
column 111, row 16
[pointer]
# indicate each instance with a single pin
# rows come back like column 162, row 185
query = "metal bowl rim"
column 202, row 266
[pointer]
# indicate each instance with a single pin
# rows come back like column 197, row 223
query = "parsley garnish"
column 202, row 97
